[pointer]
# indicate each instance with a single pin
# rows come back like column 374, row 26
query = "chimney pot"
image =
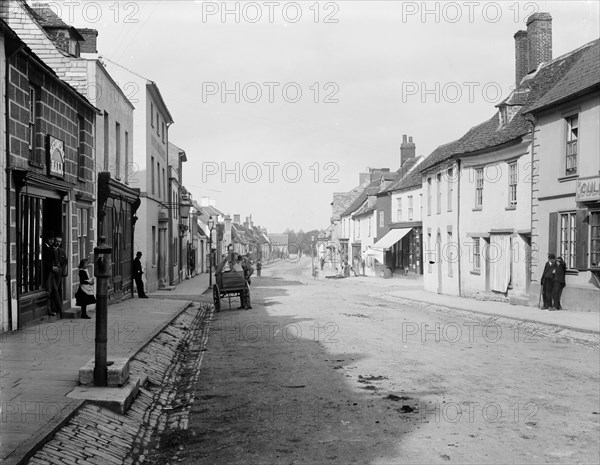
column 404, row 138
column 407, row 150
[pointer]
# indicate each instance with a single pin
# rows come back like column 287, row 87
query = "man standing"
column 547, row 281
column 558, row 283
column 137, row 275
column 258, row 267
column 47, row 275
column 248, row 270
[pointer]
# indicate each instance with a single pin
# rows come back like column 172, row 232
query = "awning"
column 378, row 254
column 393, row 236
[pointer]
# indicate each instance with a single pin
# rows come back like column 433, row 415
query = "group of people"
column 553, row 282
column 237, row 262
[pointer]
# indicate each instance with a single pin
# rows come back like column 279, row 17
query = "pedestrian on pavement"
column 137, row 276
column 558, row 283
column 85, row 294
column 547, row 281
column 258, row 267
column 322, row 263
column 58, row 269
column 362, row 265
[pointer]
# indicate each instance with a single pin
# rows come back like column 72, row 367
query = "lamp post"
column 102, row 271
column 211, row 226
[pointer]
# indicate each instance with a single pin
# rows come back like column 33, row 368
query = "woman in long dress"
column 85, row 294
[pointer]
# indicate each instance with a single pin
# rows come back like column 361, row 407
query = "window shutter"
column 553, row 233
column 582, row 230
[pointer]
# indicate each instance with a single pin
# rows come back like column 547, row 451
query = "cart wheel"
column 217, row 298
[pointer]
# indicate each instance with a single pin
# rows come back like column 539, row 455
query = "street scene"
column 242, row 232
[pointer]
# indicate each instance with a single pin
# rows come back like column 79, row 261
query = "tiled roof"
column 401, row 174
column 364, row 210
column 47, row 17
column 410, row 180
column 360, row 199
column 583, row 75
column 490, row 134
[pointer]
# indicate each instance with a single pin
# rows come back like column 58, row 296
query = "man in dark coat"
column 248, row 270
column 558, row 283
column 547, row 281
column 48, row 261
column 137, row 275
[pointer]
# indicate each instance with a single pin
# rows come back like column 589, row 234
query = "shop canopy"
column 393, row 236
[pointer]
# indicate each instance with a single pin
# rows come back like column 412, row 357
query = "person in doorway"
column 85, row 294
column 558, row 283
column 48, row 264
column 547, row 281
column 137, row 276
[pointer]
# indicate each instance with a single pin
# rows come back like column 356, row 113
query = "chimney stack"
column 91, row 38
column 539, row 37
column 236, row 219
column 521, row 56
column 364, row 179
column 407, row 149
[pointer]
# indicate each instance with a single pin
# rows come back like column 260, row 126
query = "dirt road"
column 319, row 372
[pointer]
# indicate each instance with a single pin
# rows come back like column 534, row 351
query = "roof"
column 490, row 133
column 409, row 181
column 401, row 173
column 582, row 77
column 362, row 197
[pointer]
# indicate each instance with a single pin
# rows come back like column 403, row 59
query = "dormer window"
column 503, row 115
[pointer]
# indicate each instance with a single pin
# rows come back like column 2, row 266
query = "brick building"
column 50, row 133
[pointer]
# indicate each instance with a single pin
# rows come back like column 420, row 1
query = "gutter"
column 458, row 173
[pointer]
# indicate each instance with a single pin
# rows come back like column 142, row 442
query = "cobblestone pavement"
column 96, row 435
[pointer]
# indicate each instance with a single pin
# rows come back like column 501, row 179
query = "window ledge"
column 570, row 177
column 81, row 179
column 511, row 207
column 478, row 273
column 37, row 164
column 477, row 209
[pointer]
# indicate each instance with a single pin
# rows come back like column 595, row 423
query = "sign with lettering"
column 56, row 157
column 588, row 189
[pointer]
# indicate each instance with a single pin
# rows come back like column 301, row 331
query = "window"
column 118, row 151
column 571, row 151
column 33, row 95
column 164, row 182
column 126, row 157
column 151, row 114
column 479, row 187
column 439, row 192
column 450, row 257
column 399, row 210
column 159, row 178
column 429, row 254
column 381, row 218
column 154, row 245
column 568, row 239
column 152, row 176
column 513, row 179
column 410, row 208
column 595, row 239
column 80, row 147
column 420, row 206
column 157, row 125
column 450, row 188
column 357, row 222
column 163, row 131
column 428, row 196
column 369, row 225
column 31, row 218
column 476, row 254
column 82, row 232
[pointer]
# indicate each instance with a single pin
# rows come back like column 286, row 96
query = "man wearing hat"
column 547, row 281
column 137, row 275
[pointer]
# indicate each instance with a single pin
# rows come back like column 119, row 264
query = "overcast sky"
column 280, row 104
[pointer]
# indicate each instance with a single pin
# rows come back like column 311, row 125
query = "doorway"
column 438, row 252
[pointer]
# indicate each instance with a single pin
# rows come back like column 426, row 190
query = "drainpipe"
column 170, row 213
column 458, row 174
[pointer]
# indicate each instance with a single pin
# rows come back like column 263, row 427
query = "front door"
column 438, row 252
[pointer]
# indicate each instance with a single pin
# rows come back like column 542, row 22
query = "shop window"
column 595, row 240
column 82, row 232
column 31, row 278
column 571, row 149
